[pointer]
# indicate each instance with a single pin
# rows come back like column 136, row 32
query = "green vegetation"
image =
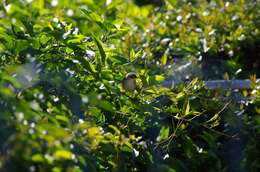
column 63, row 107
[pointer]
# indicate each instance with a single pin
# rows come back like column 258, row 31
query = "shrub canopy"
column 63, row 107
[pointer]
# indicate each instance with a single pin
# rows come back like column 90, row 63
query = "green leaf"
column 107, row 74
column 44, row 39
column 129, row 145
column 63, row 154
column 173, row 109
column 159, row 78
column 11, row 79
column 164, row 59
column 117, row 59
column 62, row 118
column 37, row 158
column 91, row 15
column 193, row 82
column 115, row 129
column 105, row 105
column 88, row 65
column 101, row 50
column 39, row 4
column 56, row 169
column 164, row 133
column 173, row 2
column 166, row 168
column 93, row 131
column 94, row 17
column 180, row 95
column 187, row 109
column 21, row 45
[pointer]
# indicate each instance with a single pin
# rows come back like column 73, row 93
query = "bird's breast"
column 129, row 84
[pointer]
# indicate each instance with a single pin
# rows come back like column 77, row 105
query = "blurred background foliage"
column 63, row 107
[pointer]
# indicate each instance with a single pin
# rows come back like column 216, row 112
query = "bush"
column 62, row 104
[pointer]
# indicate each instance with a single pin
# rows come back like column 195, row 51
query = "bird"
column 129, row 82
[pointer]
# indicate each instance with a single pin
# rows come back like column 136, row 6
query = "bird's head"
column 131, row 75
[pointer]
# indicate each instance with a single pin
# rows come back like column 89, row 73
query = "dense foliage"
column 63, row 107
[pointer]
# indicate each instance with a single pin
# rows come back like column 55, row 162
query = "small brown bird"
column 129, row 82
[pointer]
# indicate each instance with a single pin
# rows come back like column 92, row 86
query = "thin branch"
column 219, row 84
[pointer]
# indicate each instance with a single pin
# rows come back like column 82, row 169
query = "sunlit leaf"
column 37, row 158
column 187, row 109
column 164, row 133
column 115, row 129
column 159, row 78
column 63, row 154
column 164, row 59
